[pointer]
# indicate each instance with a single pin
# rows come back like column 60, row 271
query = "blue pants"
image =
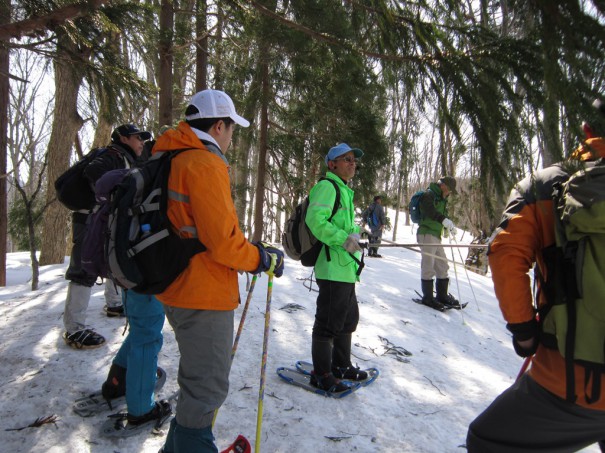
column 140, row 349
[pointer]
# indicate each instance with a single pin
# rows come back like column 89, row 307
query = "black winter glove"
column 523, row 332
column 271, row 259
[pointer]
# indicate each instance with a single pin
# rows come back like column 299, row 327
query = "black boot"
column 160, row 410
column 427, row 296
column 322, row 377
column 115, row 385
column 341, row 360
column 443, row 296
column 321, row 352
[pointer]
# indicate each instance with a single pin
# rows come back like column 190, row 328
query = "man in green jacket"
column 337, row 312
column 433, row 221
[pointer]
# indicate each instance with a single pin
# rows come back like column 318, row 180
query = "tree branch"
column 38, row 25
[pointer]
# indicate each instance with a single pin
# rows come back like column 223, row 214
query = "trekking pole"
column 239, row 330
column 411, row 247
column 243, row 318
column 468, row 279
column 261, row 390
column 456, row 275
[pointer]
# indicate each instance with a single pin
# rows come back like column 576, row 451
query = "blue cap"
column 341, row 149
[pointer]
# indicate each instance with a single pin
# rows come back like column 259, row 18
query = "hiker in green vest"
column 434, row 222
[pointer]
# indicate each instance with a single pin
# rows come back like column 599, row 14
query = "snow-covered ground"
column 460, row 361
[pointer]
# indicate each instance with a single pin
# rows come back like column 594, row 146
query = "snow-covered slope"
column 420, row 403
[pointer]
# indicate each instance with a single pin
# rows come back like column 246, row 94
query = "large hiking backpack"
column 298, row 241
column 574, row 320
column 143, row 251
column 94, row 258
column 414, row 206
column 73, row 189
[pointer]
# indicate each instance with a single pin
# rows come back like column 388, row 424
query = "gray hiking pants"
column 80, row 283
column 375, row 239
column 76, row 303
column 528, row 418
column 205, row 339
column 433, row 262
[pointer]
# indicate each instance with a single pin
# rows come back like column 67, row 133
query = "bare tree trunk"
column 201, row 48
column 165, row 78
column 262, row 149
column 182, row 63
column 5, row 9
column 66, row 123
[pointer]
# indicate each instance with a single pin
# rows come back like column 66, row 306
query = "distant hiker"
column 559, row 405
column 199, row 304
column 375, row 218
column 337, row 312
column 125, row 148
column 434, row 222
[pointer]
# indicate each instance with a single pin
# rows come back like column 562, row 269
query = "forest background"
column 484, row 90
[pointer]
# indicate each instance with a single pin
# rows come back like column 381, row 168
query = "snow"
column 461, row 360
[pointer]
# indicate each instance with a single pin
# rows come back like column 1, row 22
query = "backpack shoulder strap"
column 337, row 200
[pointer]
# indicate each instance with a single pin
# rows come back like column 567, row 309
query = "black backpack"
column 142, row 250
column 73, row 189
column 298, row 241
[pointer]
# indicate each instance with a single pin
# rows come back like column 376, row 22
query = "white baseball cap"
column 214, row 104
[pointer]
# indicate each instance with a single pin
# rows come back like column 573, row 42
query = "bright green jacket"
column 433, row 209
column 341, row 267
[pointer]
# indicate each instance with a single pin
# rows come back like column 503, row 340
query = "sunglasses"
column 348, row 159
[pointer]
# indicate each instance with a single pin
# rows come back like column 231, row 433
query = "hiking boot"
column 433, row 303
column 162, row 409
column 83, row 339
column 443, row 296
column 377, row 255
column 427, row 296
column 450, row 301
column 115, row 312
column 115, row 385
column 328, row 383
column 350, row 373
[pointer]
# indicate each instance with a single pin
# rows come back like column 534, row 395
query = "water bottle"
column 145, row 230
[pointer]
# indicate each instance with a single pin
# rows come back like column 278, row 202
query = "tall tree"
column 5, row 14
column 69, row 65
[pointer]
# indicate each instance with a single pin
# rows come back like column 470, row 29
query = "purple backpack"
column 94, row 258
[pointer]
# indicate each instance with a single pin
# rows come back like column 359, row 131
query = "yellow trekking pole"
column 261, row 390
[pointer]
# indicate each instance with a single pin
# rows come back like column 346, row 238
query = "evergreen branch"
column 39, row 25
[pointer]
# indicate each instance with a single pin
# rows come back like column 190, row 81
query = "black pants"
column 337, row 310
column 74, row 272
column 528, row 418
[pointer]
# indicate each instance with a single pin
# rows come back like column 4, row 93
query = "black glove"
column 523, row 332
column 271, row 260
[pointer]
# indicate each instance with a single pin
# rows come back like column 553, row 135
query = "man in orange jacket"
column 534, row 414
column 200, row 303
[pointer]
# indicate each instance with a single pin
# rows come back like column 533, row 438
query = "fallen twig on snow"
column 434, row 386
column 39, row 422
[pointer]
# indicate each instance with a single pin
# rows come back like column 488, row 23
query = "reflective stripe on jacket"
column 200, row 203
column 341, row 267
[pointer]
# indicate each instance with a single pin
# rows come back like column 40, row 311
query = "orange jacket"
column 200, row 202
column 521, row 239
